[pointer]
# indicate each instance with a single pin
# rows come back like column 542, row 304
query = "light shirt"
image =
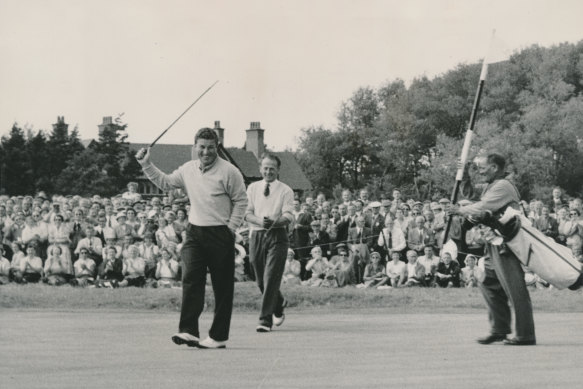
column 395, row 270
column 92, row 244
column 134, row 267
column 81, row 271
column 398, row 241
column 429, row 263
column 4, row 266
column 217, row 194
column 280, row 202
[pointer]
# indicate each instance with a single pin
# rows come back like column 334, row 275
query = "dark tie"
column 390, row 240
column 266, row 191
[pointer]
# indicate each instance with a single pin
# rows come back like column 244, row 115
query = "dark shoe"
column 185, row 338
column 517, row 342
column 491, row 338
column 263, row 328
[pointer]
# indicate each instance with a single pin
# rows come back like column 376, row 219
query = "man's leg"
column 220, row 251
column 276, row 245
column 511, row 276
column 498, row 311
column 194, row 269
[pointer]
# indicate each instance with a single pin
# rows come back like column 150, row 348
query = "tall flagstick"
column 469, row 133
column 182, row 114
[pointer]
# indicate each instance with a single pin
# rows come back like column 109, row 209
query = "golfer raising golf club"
column 218, row 200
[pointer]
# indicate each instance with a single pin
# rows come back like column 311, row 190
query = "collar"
column 204, row 169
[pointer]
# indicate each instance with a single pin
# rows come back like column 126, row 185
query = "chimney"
column 61, row 123
column 220, row 132
column 107, row 121
column 254, row 141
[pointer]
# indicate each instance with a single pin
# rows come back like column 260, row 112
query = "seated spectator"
column 85, row 269
column 150, row 252
column 318, row 265
column 134, row 269
column 374, row 273
column 575, row 243
column 167, row 270
column 17, row 261
column 341, row 266
column 448, row 272
column 470, row 273
column 126, row 242
column 111, row 241
column 31, row 267
column 110, row 272
column 291, row 272
column 4, row 268
column 396, row 270
column 563, row 225
column 429, row 262
column 415, row 273
column 240, row 254
column 57, row 270
column 93, row 245
column 59, row 234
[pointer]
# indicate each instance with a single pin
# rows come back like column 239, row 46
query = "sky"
column 286, row 64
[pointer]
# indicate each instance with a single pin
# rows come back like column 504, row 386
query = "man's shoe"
column 491, row 338
column 263, row 328
column 209, row 342
column 518, row 342
column 278, row 320
column 185, row 338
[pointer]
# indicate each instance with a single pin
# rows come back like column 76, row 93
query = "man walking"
column 216, row 191
column 504, row 278
column 269, row 212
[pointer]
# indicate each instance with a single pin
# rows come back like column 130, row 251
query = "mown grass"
column 415, row 300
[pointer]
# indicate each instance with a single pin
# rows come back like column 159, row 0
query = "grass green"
column 247, row 299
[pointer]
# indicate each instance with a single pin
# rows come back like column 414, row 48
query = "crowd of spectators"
column 368, row 243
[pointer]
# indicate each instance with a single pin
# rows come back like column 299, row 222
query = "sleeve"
column 500, row 194
column 162, row 180
column 238, row 195
column 288, row 205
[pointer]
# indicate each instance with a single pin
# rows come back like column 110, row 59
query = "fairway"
column 342, row 349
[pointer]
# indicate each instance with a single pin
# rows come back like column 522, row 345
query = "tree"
column 17, row 177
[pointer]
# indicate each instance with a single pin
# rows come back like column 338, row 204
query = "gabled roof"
column 246, row 162
column 291, row 173
column 167, row 157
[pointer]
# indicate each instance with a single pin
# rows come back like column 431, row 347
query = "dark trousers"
column 211, row 248
column 504, row 283
column 267, row 254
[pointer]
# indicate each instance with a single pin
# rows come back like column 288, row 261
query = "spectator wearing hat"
column 291, row 272
column 122, row 229
column 342, row 265
column 386, row 208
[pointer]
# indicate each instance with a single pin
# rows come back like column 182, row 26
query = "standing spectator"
column 93, row 245
column 301, row 236
column 377, row 223
column 557, row 201
column 132, row 194
column 361, row 239
column 391, row 238
column 59, row 234
column 268, row 214
column 563, row 227
column 346, row 197
column 216, row 192
column 319, row 238
column 77, row 228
